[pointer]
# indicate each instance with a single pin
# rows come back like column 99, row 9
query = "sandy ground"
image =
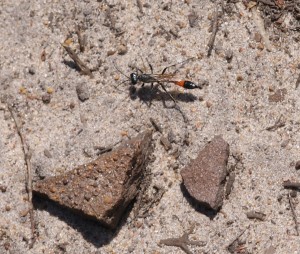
column 63, row 133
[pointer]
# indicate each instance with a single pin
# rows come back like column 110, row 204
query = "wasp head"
column 134, row 78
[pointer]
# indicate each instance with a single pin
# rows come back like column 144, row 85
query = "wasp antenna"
column 120, row 83
column 182, row 62
column 114, row 63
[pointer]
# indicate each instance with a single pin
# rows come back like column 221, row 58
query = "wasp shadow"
column 148, row 94
column 91, row 230
column 201, row 208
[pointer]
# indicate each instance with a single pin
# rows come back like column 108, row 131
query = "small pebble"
column 43, row 56
column 228, row 55
column 50, row 90
column 239, row 78
column 72, row 105
column 122, row 49
column 47, row 153
column 260, row 46
column 257, row 37
column 111, row 52
column 208, row 104
column 293, row 193
column 3, row 188
column 166, row 143
column 82, row 92
column 31, row 71
column 24, row 212
column 46, row 98
column 193, row 19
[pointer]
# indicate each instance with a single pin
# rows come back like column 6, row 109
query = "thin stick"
column 236, row 238
column 293, row 213
column 298, row 81
column 289, row 184
column 84, row 69
column 213, row 32
column 28, row 175
column 81, row 39
column 140, row 6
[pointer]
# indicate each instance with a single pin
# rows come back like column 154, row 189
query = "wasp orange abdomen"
column 186, row 84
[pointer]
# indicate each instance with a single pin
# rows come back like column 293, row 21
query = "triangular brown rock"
column 103, row 188
column 204, row 177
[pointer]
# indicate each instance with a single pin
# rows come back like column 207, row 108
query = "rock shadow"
column 91, row 230
column 201, row 208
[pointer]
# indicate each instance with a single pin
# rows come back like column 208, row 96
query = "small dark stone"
column 293, row 193
column 3, row 188
column 193, row 19
column 122, row 49
column 46, row 98
column 65, row 181
column 166, row 143
column 72, row 105
column 228, row 55
column 47, row 153
column 31, row 71
column 297, row 166
column 62, row 246
column 82, row 92
column 204, row 177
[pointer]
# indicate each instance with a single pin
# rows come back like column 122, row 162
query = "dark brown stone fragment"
column 204, row 177
column 103, row 188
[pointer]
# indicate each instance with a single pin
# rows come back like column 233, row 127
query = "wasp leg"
column 152, row 86
column 151, row 67
column 163, row 87
column 139, row 70
column 164, row 70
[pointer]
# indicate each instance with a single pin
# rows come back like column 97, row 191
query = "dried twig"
column 256, row 215
column 81, row 39
column 230, row 246
column 229, row 184
column 28, row 175
column 186, row 122
column 289, row 184
column 278, row 124
column 156, row 126
column 261, row 28
column 140, row 5
column 293, row 213
column 267, row 2
column 183, row 241
column 84, row 69
column 106, row 149
column 298, row 81
column 215, row 26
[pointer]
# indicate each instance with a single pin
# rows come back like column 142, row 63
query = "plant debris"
column 183, row 241
column 28, row 175
column 81, row 65
column 256, row 215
